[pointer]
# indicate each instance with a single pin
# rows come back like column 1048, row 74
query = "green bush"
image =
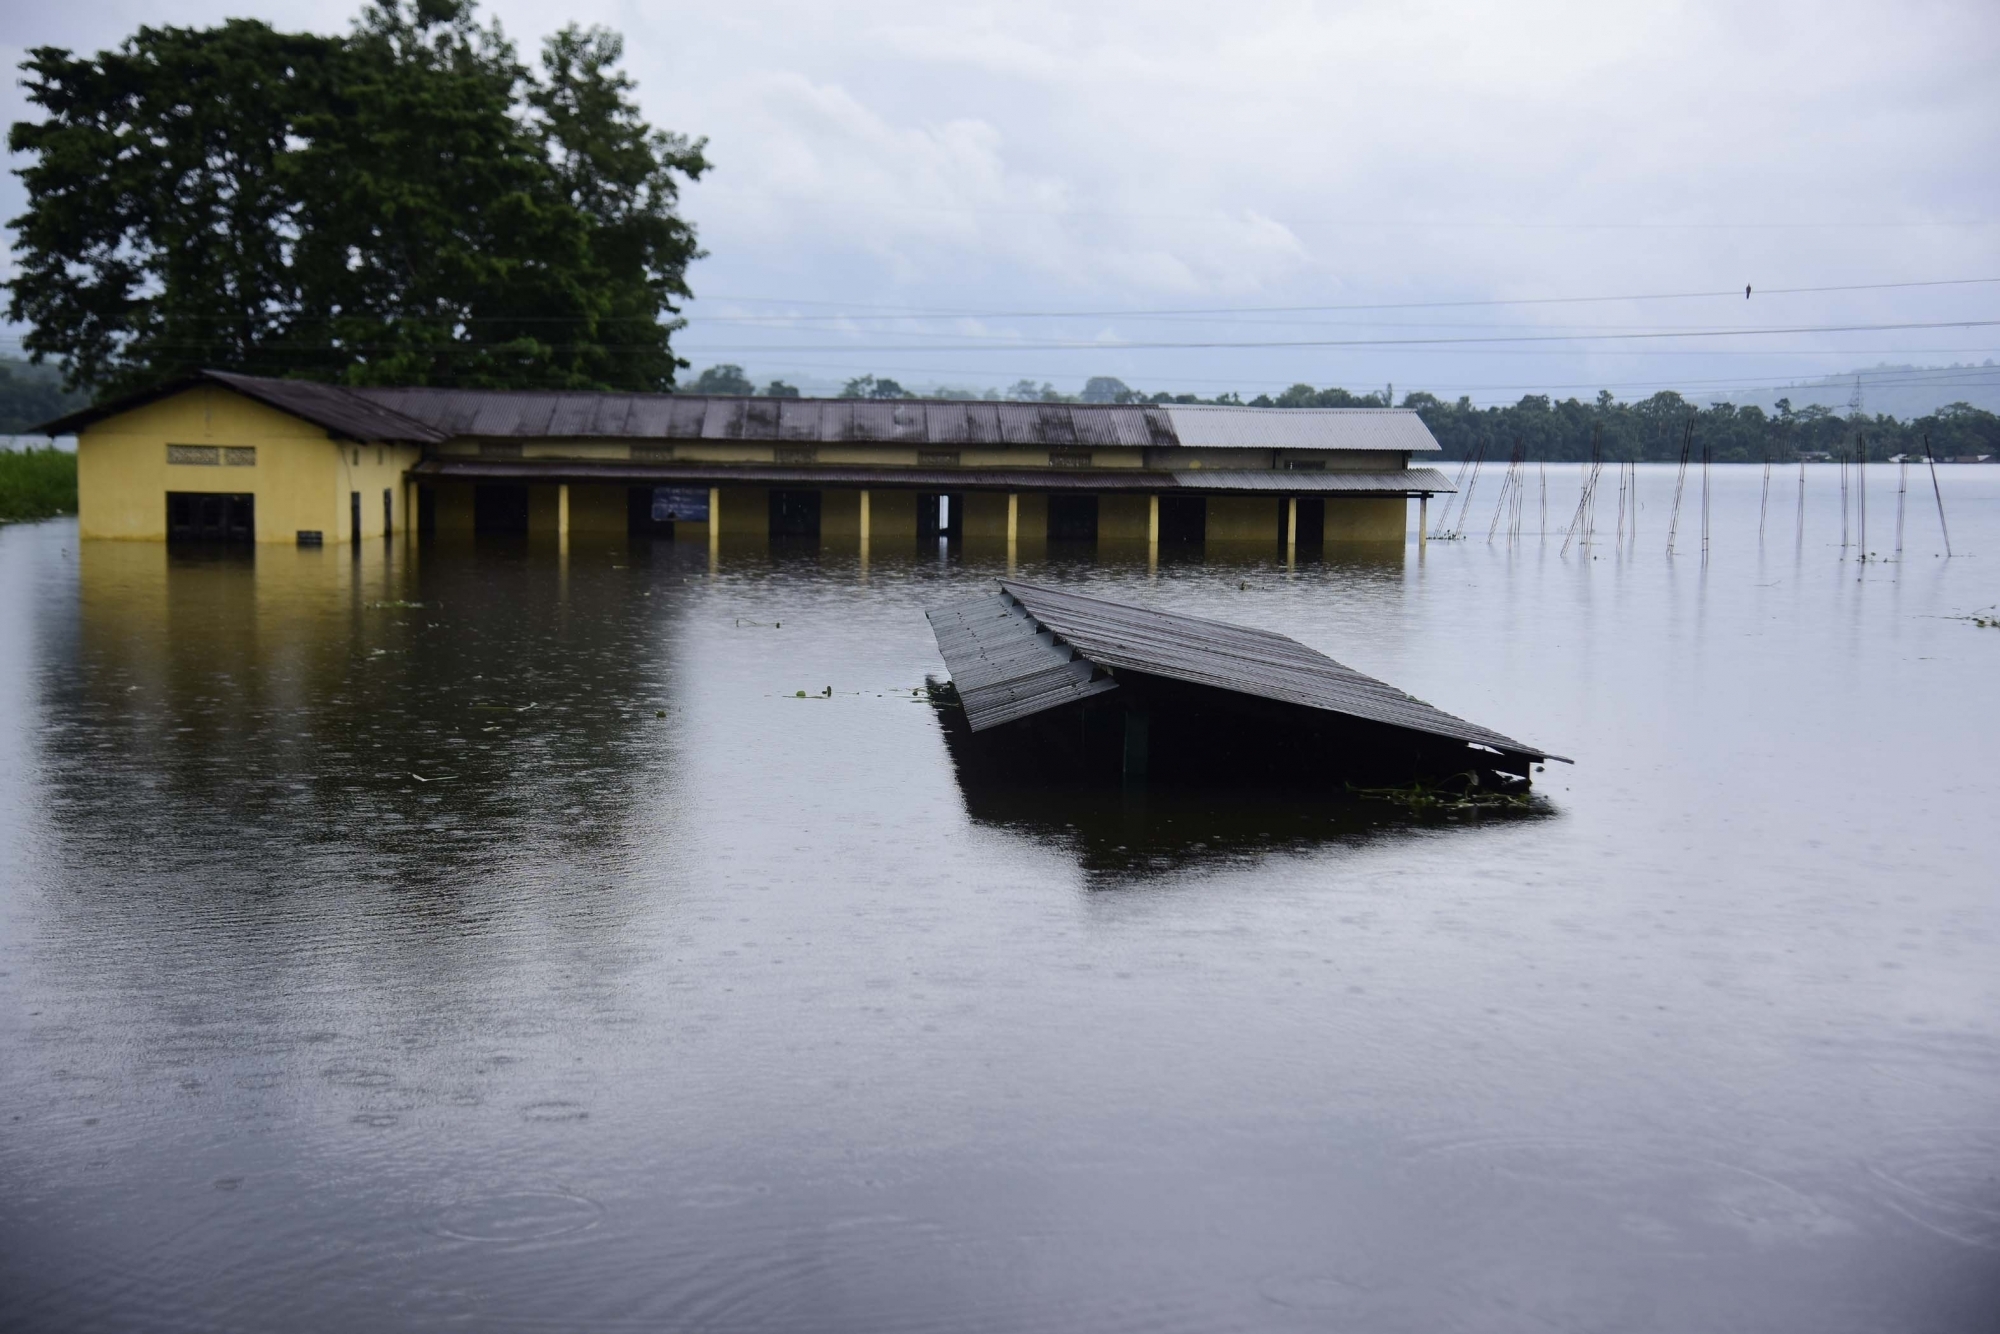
column 36, row 483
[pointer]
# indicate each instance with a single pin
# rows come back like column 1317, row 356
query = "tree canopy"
column 407, row 203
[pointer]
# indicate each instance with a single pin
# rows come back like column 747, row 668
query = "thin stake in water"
column 1704, row 499
column 1799, row 542
column 1585, row 509
column 1902, row 489
column 1942, row 526
column 1680, row 483
column 1764, row 500
column 1861, row 495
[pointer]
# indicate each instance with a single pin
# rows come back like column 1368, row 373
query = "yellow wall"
column 301, row 479
column 371, row 470
column 1124, row 516
column 840, row 516
column 1374, row 519
column 985, row 516
column 1243, row 519
column 597, row 511
column 1032, row 521
column 746, row 512
column 892, row 516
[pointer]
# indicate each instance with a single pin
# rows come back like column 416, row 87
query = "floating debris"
column 1465, row 792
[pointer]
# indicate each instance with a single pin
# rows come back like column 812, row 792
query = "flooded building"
column 223, row 457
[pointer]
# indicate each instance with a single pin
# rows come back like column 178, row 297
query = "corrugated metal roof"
column 430, row 415
column 1105, row 480
column 1237, row 658
column 494, row 413
column 1408, row 482
column 1211, row 427
column 330, row 407
column 1004, row 666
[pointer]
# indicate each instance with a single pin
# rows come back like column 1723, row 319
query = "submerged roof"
column 1034, row 648
column 431, row 415
column 1007, row 667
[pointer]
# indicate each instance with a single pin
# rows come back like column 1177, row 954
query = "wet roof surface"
column 1121, row 636
column 1413, row 481
column 429, row 415
column 1005, row 667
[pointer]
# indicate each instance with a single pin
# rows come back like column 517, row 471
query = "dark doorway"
column 498, row 507
column 1183, row 519
column 940, row 516
column 795, row 514
column 1073, row 518
column 1312, row 524
column 643, row 517
column 427, row 511
column 196, row 516
column 388, row 512
column 354, row 517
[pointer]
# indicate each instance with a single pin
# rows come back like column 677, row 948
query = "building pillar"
column 1153, row 521
column 562, row 515
column 714, row 525
column 1423, row 522
column 1291, row 529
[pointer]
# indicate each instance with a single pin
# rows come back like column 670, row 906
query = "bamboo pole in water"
column 1542, row 471
column 1902, row 490
column 1844, row 543
column 1799, row 540
column 1680, row 482
column 1704, row 499
column 1764, row 501
column 1585, row 511
column 1861, row 495
column 1942, row 526
column 1465, row 501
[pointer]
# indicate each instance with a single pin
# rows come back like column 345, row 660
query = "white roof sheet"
column 1210, row 427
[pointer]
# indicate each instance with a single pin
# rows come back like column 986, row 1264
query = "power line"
column 1213, row 344
column 910, row 312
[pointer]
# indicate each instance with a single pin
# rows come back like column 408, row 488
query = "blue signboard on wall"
column 680, row 504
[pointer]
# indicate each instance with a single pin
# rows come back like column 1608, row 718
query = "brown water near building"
column 374, row 955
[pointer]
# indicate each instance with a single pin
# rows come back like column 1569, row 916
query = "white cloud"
column 1053, row 154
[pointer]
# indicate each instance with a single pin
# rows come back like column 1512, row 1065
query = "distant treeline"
column 36, row 484
column 1651, row 429
column 31, row 395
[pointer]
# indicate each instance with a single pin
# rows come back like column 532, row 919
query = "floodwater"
column 492, row 940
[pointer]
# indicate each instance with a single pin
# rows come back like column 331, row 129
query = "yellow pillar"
column 1423, row 522
column 1153, row 521
column 864, row 523
column 562, row 516
column 714, row 526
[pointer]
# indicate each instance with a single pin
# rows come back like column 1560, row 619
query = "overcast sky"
column 980, row 163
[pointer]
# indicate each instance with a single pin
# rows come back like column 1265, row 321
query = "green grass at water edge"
column 36, row 484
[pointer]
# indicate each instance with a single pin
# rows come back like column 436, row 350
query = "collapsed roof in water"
column 1028, row 649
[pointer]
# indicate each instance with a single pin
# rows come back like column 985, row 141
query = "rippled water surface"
column 489, row 939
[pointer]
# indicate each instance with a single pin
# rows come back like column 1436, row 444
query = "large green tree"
column 407, row 203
